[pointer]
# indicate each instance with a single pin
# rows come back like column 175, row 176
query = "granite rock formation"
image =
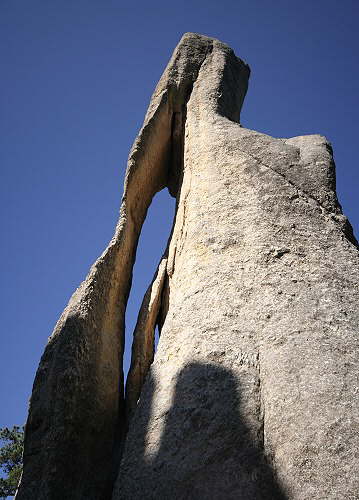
column 253, row 390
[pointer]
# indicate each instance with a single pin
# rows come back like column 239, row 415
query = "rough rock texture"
column 253, row 391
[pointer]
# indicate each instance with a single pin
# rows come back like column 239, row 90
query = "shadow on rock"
column 206, row 449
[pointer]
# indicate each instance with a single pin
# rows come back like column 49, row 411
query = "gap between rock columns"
column 155, row 303
column 77, row 408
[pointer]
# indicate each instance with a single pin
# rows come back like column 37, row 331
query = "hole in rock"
column 151, row 246
column 157, row 337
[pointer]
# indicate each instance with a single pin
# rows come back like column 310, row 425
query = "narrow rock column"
column 76, row 421
column 143, row 347
column 76, row 416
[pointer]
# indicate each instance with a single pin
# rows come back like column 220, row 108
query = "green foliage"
column 12, row 443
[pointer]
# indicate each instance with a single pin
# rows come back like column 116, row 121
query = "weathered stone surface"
column 253, row 391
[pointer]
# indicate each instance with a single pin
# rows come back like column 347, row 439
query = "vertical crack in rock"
column 261, row 407
column 175, row 170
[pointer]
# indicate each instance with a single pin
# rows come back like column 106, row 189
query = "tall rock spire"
column 252, row 393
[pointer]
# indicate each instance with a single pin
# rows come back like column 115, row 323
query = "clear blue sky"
column 76, row 79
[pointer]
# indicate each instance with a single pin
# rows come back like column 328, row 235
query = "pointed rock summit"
column 253, row 390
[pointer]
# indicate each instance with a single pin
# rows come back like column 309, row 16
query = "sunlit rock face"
column 253, row 390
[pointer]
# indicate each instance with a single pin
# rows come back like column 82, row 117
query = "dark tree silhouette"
column 11, row 459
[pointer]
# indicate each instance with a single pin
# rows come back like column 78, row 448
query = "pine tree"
column 10, row 459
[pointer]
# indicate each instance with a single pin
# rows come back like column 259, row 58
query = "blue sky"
column 76, row 80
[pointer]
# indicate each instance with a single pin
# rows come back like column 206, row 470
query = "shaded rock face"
column 253, row 391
